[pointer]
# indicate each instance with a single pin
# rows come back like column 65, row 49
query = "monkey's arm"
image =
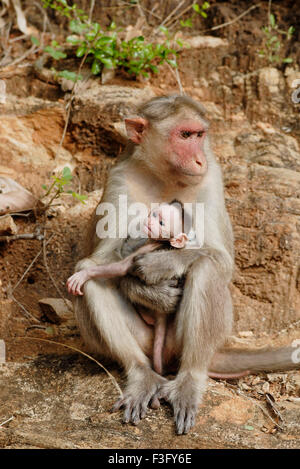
column 112, row 270
column 77, row 280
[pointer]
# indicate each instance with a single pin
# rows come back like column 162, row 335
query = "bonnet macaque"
column 163, row 228
column 168, row 157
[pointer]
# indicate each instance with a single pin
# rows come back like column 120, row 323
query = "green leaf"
column 107, row 62
column 104, row 40
column 202, row 13
column 45, row 187
column 187, row 24
column 35, row 41
column 66, row 172
column 79, row 197
column 173, row 63
column 196, row 7
column 205, row 5
column 112, row 26
column 248, row 427
column 70, row 75
column 272, row 20
column 291, row 30
column 96, row 67
column 55, row 53
column 164, row 30
column 77, row 27
column 81, row 50
column 288, row 60
column 73, row 39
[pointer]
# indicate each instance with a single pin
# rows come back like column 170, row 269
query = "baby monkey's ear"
column 179, row 241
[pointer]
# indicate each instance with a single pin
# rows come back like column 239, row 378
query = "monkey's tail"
column 227, row 363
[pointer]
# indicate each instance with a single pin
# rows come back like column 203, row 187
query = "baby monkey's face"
column 164, row 222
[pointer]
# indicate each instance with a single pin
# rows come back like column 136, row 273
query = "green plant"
column 105, row 48
column 273, row 42
column 57, row 188
column 200, row 10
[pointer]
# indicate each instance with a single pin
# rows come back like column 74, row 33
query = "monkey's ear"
column 179, row 241
column 136, row 128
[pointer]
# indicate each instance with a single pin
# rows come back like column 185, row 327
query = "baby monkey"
column 163, row 228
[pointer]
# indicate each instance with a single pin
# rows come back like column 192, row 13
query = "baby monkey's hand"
column 75, row 282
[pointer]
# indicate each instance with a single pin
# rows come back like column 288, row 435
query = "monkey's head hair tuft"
column 177, row 203
column 162, row 107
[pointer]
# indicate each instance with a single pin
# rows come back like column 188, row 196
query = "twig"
column 177, row 76
column 91, row 10
column 22, row 236
column 27, row 313
column 10, row 295
column 70, row 105
column 82, row 353
column 173, row 12
column 214, row 28
column 29, row 267
column 18, row 38
column 6, row 421
column 19, row 214
column 50, row 274
column 36, row 326
column 33, row 49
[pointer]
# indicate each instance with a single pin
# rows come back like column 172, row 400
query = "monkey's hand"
column 75, row 282
column 184, row 394
column 154, row 267
column 143, row 384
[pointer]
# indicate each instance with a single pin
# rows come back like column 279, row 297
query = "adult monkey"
column 169, row 157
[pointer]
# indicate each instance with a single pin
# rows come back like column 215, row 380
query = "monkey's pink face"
column 185, row 148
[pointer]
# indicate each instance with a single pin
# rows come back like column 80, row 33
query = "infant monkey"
column 164, row 224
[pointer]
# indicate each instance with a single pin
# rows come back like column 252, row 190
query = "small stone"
column 245, row 334
column 56, row 310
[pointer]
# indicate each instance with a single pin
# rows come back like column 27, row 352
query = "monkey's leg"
column 112, row 327
column 158, row 344
column 163, row 297
column 202, row 323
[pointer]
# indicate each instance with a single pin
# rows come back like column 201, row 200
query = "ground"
column 49, row 390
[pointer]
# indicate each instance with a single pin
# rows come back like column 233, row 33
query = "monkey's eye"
column 161, row 223
column 200, row 133
column 154, row 214
column 186, row 134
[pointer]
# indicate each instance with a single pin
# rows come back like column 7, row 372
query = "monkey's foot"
column 184, row 394
column 142, row 387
